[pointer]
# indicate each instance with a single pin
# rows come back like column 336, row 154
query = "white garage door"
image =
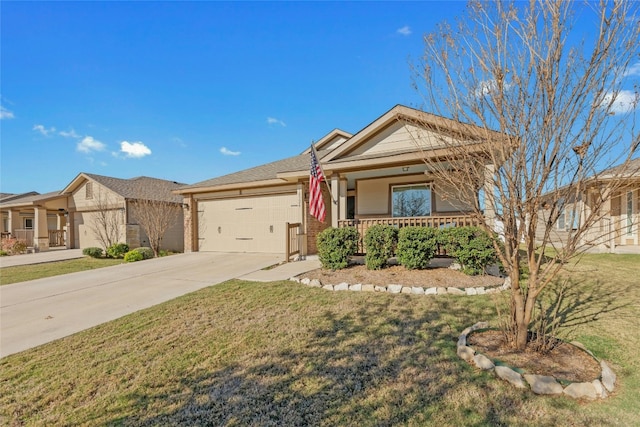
column 247, row 224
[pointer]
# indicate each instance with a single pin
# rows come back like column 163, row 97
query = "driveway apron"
column 39, row 311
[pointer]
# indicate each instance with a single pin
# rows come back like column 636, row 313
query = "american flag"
column 316, row 202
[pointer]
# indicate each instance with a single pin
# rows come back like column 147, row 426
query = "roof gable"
column 403, row 130
column 139, row 188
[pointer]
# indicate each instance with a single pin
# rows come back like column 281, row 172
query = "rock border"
column 400, row 289
column 539, row 384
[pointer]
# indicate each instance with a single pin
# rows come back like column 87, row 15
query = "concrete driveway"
column 36, row 312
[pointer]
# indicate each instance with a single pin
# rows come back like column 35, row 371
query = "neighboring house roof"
column 139, row 188
column 335, row 151
column 30, row 199
column 631, row 169
column 6, row 197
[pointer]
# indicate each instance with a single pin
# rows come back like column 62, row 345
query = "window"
column 28, row 223
column 88, row 190
column 629, row 213
column 411, row 200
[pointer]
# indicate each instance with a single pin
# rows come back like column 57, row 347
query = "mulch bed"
column 564, row 362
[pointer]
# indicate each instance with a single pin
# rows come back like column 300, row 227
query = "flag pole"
column 335, row 202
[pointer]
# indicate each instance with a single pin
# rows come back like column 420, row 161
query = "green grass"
column 22, row 273
column 244, row 353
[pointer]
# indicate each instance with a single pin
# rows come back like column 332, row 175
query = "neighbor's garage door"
column 247, row 224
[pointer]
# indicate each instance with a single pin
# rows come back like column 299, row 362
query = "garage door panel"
column 251, row 224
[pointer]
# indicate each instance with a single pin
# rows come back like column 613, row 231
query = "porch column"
column 70, row 237
column 40, row 230
column 14, row 221
column 303, row 220
column 335, row 195
column 489, row 197
column 342, row 200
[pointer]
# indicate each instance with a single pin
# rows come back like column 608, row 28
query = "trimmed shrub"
column 147, row 253
column 336, row 246
column 472, row 248
column 163, row 252
column 133, row 256
column 93, row 252
column 117, row 250
column 380, row 243
column 416, row 246
column 3, row 253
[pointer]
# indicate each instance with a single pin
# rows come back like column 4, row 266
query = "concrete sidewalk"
column 40, row 257
column 283, row 271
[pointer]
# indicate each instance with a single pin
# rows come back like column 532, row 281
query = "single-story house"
column 617, row 218
column 377, row 175
column 67, row 218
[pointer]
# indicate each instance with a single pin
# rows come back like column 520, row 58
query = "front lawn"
column 22, row 273
column 244, row 353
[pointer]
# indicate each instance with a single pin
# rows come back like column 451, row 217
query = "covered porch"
column 40, row 221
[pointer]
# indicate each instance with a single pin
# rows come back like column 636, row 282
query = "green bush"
column 416, row 246
column 163, row 252
column 117, row 250
column 3, row 253
column 93, row 252
column 133, row 256
column 336, row 246
column 380, row 243
column 147, row 253
column 472, row 248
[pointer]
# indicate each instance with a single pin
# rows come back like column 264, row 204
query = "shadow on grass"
column 571, row 303
column 386, row 363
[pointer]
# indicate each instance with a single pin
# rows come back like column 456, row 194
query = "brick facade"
column 314, row 227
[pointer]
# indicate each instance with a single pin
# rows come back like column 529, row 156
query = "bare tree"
column 551, row 109
column 156, row 217
column 106, row 219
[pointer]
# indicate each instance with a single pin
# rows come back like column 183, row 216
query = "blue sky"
column 190, row 91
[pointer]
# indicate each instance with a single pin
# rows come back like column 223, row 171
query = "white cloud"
column 405, row 31
column 624, row 102
column 71, row 134
column 227, row 152
column 6, row 114
column 274, row 121
column 633, row 70
column 88, row 144
column 486, row 87
column 134, row 149
column 44, row 131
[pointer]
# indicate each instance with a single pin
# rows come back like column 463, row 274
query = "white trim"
column 427, row 185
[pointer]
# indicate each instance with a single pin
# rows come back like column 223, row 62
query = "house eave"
column 234, row 186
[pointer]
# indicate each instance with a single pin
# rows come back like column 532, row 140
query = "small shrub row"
column 414, row 247
column 336, row 246
column 117, row 250
column 93, row 252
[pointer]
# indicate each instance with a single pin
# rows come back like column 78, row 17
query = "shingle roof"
column 630, row 169
column 29, row 198
column 140, row 188
column 260, row 173
column 6, row 197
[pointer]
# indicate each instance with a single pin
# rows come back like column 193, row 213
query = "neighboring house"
column 66, row 218
column 37, row 219
column 377, row 175
column 617, row 224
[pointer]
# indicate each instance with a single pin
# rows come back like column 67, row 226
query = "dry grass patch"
column 245, row 353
